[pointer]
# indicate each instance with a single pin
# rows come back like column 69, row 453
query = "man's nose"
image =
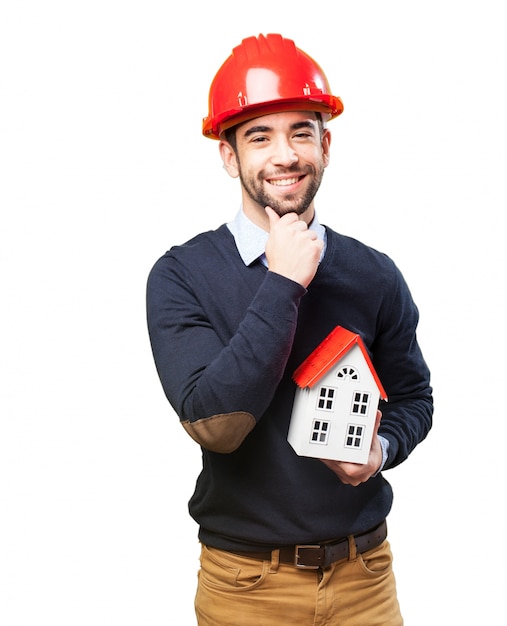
column 284, row 154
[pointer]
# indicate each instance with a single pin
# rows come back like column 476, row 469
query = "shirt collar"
column 251, row 239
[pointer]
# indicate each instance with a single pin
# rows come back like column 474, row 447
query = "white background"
column 103, row 168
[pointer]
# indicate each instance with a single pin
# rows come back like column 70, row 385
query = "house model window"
column 337, row 380
column 347, row 371
column 360, row 403
column 326, row 397
column 355, row 434
column 320, row 432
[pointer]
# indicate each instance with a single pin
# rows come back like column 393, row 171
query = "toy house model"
column 336, row 400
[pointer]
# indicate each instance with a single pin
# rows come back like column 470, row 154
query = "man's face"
column 280, row 161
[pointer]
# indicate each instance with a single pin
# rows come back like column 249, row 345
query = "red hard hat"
column 267, row 74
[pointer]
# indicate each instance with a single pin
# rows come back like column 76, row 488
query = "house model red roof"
column 330, row 351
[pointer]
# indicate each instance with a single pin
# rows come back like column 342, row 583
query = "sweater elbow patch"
column 221, row 433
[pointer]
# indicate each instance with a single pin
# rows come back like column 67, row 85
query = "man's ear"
column 229, row 158
column 326, row 143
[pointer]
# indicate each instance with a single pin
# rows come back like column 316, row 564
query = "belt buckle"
column 297, row 556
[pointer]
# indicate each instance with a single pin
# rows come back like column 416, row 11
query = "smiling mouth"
column 284, row 182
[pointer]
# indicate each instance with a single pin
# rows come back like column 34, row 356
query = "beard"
column 293, row 203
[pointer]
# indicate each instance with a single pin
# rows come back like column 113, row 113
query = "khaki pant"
column 237, row 591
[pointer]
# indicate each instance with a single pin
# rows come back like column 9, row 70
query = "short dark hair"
column 230, row 137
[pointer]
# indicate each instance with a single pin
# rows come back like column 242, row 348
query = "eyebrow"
column 265, row 129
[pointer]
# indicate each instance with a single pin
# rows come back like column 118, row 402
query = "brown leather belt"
column 314, row 556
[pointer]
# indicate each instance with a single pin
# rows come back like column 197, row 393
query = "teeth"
column 285, row 181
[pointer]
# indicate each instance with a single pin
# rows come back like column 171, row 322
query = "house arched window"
column 347, row 372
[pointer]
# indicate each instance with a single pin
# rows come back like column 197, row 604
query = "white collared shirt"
column 251, row 239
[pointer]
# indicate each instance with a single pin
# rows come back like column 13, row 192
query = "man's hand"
column 292, row 250
column 354, row 473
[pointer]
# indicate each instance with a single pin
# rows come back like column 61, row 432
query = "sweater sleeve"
column 407, row 416
column 219, row 379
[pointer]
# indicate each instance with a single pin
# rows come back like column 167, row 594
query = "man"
column 231, row 315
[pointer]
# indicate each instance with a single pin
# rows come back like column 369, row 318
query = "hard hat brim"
column 329, row 106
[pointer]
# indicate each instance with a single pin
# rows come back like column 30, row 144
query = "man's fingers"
column 272, row 215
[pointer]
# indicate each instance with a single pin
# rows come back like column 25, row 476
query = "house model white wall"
column 336, row 400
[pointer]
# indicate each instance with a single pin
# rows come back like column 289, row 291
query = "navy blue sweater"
column 226, row 339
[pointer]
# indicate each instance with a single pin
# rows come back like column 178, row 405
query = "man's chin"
column 287, row 207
